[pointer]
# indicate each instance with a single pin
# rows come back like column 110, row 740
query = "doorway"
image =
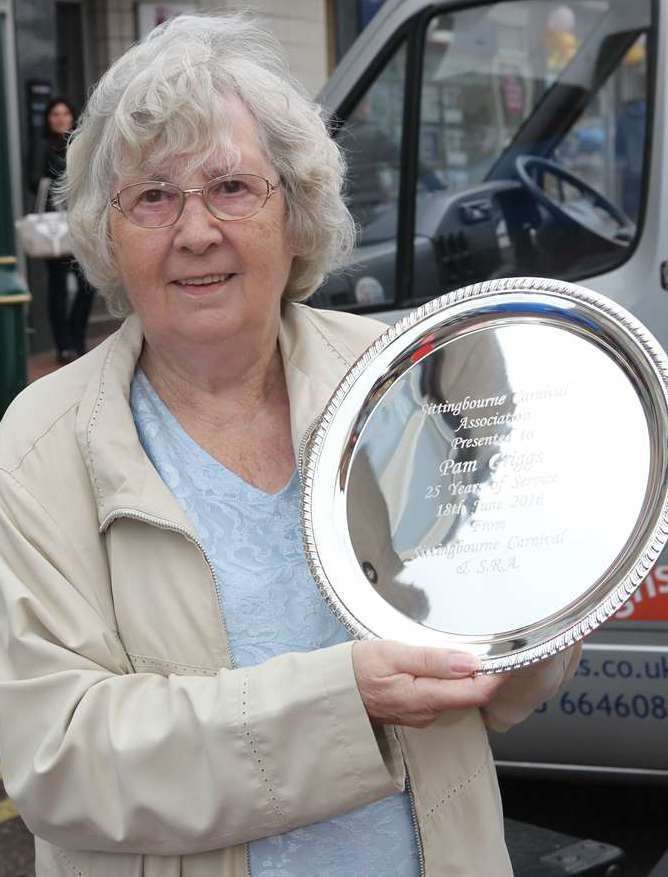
column 70, row 44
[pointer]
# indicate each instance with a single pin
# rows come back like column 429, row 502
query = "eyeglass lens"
column 154, row 204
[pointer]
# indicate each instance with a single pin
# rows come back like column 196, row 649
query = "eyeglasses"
column 158, row 204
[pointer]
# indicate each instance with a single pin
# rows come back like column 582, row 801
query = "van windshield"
column 532, row 146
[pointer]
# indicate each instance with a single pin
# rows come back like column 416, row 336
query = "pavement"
column 40, row 364
column 17, row 855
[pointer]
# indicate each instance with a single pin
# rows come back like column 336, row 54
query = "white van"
column 496, row 139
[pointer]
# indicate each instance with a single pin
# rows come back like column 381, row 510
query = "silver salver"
column 491, row 475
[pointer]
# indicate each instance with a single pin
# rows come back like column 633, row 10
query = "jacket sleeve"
column 527, row 688
column 98, row 757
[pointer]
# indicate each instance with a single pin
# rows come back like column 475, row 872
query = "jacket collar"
column 123, row 478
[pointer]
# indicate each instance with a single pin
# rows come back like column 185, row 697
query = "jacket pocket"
column 445, row 757
column 457, row 800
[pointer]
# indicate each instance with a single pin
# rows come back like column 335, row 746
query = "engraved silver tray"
column 491, row 474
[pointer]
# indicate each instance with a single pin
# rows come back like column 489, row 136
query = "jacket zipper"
column 416, row 825
column 411, row 797
column 174, row 528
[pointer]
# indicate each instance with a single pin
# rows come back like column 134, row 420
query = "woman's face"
column 60, row 119
column 245, row 263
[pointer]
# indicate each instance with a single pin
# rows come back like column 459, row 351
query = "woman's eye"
column 231, row 187
column 154, row 196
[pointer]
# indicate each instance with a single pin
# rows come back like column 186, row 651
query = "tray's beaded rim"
column 569, row 292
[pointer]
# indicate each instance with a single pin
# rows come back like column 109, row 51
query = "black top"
column 51, row 164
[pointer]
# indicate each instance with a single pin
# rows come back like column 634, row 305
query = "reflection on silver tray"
column 491, row 475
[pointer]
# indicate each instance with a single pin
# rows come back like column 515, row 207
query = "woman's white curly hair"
column 163, row 99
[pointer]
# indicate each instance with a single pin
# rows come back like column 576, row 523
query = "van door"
column 522, row 137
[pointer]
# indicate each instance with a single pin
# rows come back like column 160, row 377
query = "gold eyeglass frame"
column 197, row 190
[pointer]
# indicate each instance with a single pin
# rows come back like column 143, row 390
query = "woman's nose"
column 197, row 228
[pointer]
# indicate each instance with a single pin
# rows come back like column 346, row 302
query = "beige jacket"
column 128, row 742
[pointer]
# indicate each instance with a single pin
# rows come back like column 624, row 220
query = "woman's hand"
column 409, row 685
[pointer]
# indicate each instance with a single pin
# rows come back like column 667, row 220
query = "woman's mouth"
column 203, row 284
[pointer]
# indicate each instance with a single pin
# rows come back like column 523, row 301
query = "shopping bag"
column 43, row 234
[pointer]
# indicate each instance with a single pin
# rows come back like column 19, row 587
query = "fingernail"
column 464, row 664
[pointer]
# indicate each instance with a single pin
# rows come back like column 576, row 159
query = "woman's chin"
column 210, row 320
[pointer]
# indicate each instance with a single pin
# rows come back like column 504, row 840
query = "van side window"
column 607, row 145
column 370, row 139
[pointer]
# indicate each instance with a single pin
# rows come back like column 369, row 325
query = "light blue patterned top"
column 271, row 605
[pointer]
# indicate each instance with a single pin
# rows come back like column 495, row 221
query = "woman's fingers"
column 438, row 663
column 409, row 685
column 444, row 694
column 387, row 657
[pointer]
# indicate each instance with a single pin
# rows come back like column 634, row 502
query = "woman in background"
column 68, row 324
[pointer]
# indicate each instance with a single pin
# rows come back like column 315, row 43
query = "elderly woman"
column 175, row 697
